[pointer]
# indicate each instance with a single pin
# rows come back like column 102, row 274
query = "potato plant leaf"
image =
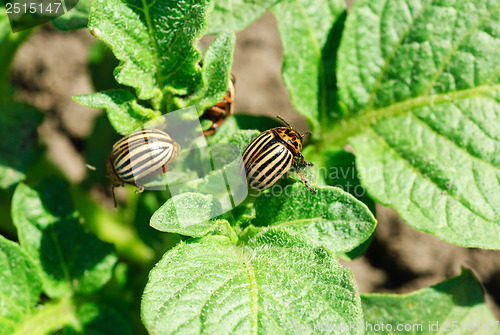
column 340, row 171
column 18, row 123
column 154, row 42
column 277, row 281
column 67, row 258
column 187, row 214
column 196, row 208
column 336, row 167
column 310, row 34
column 455, row 306
column 238, row 137
column 76, row 18
column 124, row 112
column 21, row 286
column 98, row 319
column 235, row 15
column 9, row 42
column 421, row 82
column 332, row 218
column 217, row 63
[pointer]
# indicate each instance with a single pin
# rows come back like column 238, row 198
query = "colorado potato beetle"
column 271, row 154
column 140, row 155
column 218, row 113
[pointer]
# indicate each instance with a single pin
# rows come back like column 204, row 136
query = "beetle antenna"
column 93, row 168
column 306, row 133
column 283, row 120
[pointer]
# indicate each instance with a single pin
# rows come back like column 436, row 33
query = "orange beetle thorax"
column 290, row 138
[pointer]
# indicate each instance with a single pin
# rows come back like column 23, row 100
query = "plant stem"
column 354, row 124
column 231, row 233
column 50, row 317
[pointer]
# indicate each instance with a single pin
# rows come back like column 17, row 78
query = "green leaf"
column 336, row 167
column 98, row 319
column 112, row 228
column 187, row 214
column 241, row 138
column 342, row 172
column 21, row 286
column 101, row 64
column 213, row 186
column 259, row 122
column 272, row 285
column 154, row 43
column 456, row 305
column 459, row 205
column 426, row 48
column 421, row 82
column 124, row 113
column 331, row 218
column 190, row 212
column 9, row 42
column 18, row 123
column 217, row 64
column 310, row 34
column 244, row 214
column 241, row 126
column 47, row 318
column 67, row 258
column 76, row 18
column 235, row 15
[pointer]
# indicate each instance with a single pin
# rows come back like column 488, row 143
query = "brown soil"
column 52, row 66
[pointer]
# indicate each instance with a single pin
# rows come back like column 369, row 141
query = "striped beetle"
column 271, row 155
column 140, row 155
column 218, row 113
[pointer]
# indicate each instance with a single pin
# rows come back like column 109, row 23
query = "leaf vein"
column 388, row 60
column 477, row 124
column 423, row 176
column 455, row 49
column 272, row 319
column 193, row 279
column 354, row 124
column 315, row 292
column 454, row 144
column 278, row 302
column 212, row 292
column 13, row 304
column 253, row 297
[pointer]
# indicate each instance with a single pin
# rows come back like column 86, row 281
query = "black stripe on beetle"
column 140, row 155
column 269, row 156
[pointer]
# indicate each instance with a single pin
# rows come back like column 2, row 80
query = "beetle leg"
column 304, row 180
column 140, row 190
column 303, row 161
column 209, row 132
